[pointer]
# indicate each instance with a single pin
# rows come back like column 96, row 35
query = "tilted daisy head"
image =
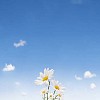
column 60, row 94
column 44, row 77
column 51, row 96
column 44, row 91
column 57, row 86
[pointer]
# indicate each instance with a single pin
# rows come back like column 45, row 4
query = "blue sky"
column 59, row 34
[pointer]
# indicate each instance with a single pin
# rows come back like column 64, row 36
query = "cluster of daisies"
column 53, row 89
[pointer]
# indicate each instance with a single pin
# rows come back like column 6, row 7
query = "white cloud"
column 77, row 77
column 88, row 74
column 9, row 67
column 20, row 43
column 17, row 83
column 24, row 94
column 92, row 85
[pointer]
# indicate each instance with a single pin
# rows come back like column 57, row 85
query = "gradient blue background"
column 60, row 34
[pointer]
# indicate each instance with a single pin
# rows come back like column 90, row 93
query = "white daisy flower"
column 51, row 95
column 60, row 94
column 44, row 77
column 57, row 86
column 44, row 91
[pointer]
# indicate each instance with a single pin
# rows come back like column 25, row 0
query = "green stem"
column 43, row 97
column 48, row 85
column 54, row 94
column 47, row 96
column 48, row 89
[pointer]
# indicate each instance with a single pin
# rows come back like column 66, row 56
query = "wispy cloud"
column 20, row 43
column 17, row 83
column 9, row 67
column 89, row 74
column 24, row 94
column 92, row 85
column 78, row 78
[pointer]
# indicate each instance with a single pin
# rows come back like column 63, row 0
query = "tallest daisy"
column 44, row 77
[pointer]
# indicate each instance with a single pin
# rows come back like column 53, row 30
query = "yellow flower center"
column 57, row 87
column 50, row 95
column 45, row 78
column 59, row 95
column 43, row 92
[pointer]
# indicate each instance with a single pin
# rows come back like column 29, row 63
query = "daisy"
column 60, row 94
column 44, row 77
column 44, row 91
column 57, row 86
column 51, row 96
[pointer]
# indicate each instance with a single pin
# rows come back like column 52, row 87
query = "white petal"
column 41, row 75
column 50, row 74
column 38, row 82
column 46, row 72
column 39, row 78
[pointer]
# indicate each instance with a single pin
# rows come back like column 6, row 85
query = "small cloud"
column 8, row 68
column 88, row 74
column 20, row 43
column 76, row 1
column 92, row 85
column 17, row 83
column 24, row 94
column 78, row 78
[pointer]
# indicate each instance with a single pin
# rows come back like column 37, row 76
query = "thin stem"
column 47, row 96
column 48, row 89
column 43, row 97
column 54, row 92
column 48, row 85
column 56, row 96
